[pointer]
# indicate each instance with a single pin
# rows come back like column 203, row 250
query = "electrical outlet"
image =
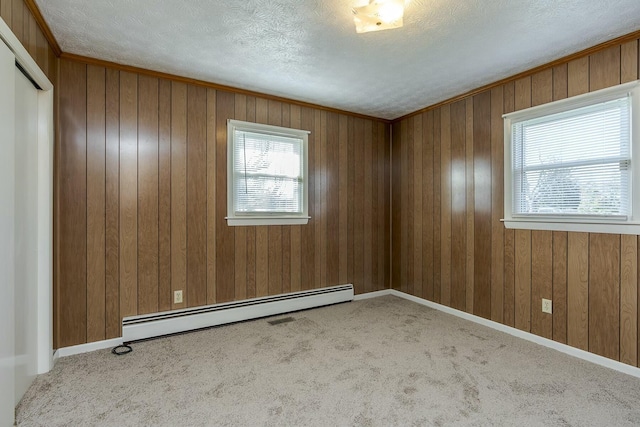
column 546, row 306
column 177, row 297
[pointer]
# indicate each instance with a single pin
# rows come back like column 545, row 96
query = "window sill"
column 271, row 220
column 586, row 226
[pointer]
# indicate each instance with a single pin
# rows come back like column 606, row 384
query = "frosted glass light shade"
column 379, row 15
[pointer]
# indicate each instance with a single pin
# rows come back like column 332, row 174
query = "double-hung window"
column 267, row 174
column 574, row 164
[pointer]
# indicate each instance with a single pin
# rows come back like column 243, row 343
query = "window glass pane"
column 268, row 194
column 267, row 173
column 575, row 162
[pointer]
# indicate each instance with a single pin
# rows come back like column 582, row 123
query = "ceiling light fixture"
column 378, row 15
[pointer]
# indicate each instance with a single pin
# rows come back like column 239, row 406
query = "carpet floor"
column 377, row 362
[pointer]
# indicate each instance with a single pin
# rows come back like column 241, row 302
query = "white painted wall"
column 26, row 223
column 26, row 233
column 7, row 244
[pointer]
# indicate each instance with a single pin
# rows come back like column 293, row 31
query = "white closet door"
column 7, row 242
column 26, row 233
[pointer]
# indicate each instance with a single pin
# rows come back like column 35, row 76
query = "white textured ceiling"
column 309, row 51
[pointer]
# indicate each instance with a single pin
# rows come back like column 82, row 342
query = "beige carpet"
column 377, row 362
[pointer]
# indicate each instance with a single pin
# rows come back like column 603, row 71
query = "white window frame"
column 630, row 225
column 265, row 218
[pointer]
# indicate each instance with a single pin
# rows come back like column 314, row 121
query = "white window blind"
column 267, row 171
column 574, row 163
column 266, row 174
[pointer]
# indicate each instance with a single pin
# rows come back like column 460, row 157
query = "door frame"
column 44, row 196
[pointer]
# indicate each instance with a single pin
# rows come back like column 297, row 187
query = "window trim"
column 629, row 225
column 265, row 218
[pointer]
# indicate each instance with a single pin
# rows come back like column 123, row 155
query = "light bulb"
column 390, row 11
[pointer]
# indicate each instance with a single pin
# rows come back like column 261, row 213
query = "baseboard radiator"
column 137, row 328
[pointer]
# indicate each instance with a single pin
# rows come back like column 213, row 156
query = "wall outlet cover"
column 177, row 297
column 547, row 306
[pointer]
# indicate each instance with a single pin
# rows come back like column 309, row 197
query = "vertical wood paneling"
column 408, row 206
column 178, row 191
column 437, row 207
column 307, row 267
column 629, row 62
column 458, row 206
column 5, row 11
column 399, row 199
column 73, row 208
column 225, row 244
column 33, row 34
column 482, row 204
column 522, row 318
column 332, row 149
column 96, row 204
column 41, row 49
column 497, row 205
column 148, row 189
column 387, row 203
column 319, row 202
column 17, row 21
column 470, row 197
column 368, row 208
column 541, row 281
column 445, row 205
column 509, row 309
column 212, row 206
column 428, row 208
column 604, row 68
column 542, row 87
column 196, row 196
column 560, row 82
column 164, row 195
column 382, row 232
column 559, row 301
column 358, row 205
column 128, row 194
column 578, row 76
column 417, row 205
column 522, row 294
column 578, row 290
column 593, row 286
column 343, row 195
column 629, row 299
column 25, row 27
column 53, row 72
column 112, row 204
column 604, row 295
column 509, row 235
column 143, row 183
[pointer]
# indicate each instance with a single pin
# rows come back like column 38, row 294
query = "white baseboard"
column 374, row 294
column 145, row 326
column 85, row 348
column 283, row 303
column 572, row 351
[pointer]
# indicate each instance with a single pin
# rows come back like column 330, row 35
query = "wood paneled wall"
column 19, row 18
column 450, row 247
column 142, row 200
